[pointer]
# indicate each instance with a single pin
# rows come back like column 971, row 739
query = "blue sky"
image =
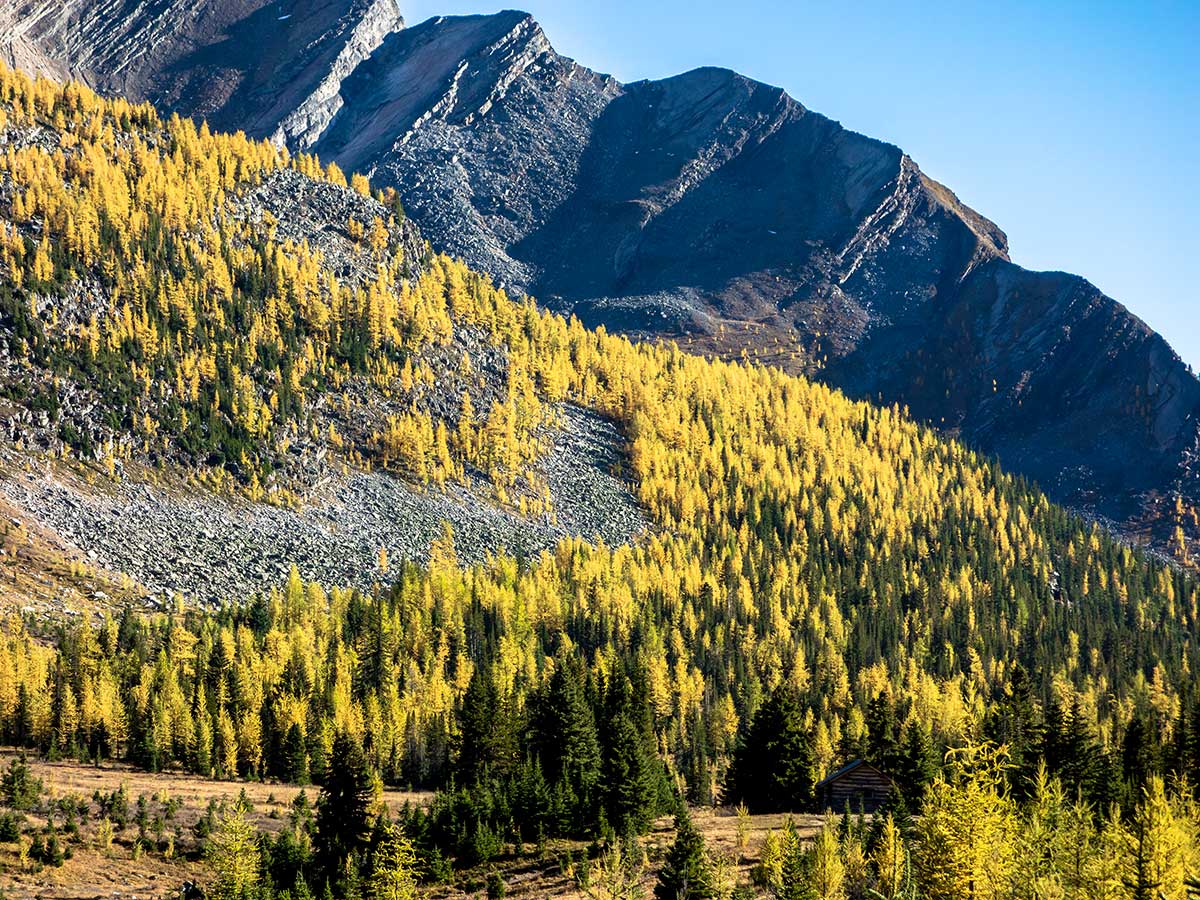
column 1074, row 126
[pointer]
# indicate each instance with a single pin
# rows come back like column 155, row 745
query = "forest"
column 825, row 581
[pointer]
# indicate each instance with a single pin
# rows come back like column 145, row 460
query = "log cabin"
column 857, row 785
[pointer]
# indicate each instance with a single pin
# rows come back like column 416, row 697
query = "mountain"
column 458, row 543
column 267, row 67
column 708, row 208
column 719, row 211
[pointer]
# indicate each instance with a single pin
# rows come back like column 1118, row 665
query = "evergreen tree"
column 1014, row 720
column 698, row 772
column 918, row 762
column 1054, row 737
column 686, row 873
column 883, row 733
column 295, row 755
column 21, row 790
column 343, row 822
column 487, row 742
column 1138, row 753
column 1081, row 764
column 1190, row 764
column 630, row 787
column 565, row 742
column 772, row 769
column 630, row 768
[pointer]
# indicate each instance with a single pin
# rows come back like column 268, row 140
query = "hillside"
column 707, row 207
column 173, row 356
column 807, row 578
column 719, row 211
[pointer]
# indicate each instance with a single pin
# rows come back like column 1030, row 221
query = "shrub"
column 21, row 790
column 114, row 806
column 104, row 835
column 10, row 826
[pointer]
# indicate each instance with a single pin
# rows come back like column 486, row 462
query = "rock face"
column 487, row 126
column 268, row 67
column 706, row 207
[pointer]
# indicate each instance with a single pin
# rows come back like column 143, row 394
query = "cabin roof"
column 847, row 769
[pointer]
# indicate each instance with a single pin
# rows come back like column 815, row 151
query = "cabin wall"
column 859, row 789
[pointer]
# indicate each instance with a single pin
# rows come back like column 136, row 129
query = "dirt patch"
column 125, row 869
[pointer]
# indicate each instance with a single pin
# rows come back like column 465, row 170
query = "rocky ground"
column 319, row 212
column 207, row 548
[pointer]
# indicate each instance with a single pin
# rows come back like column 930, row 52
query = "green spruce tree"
column 343, row 822
column 773, row 765
column 686, row 873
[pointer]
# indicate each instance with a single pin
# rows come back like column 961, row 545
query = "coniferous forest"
column 824, row 580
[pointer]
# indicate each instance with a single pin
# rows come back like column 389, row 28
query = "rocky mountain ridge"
column 708, row 208
column 267, row 67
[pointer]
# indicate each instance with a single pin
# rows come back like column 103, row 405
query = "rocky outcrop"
column 268, row 67
column 18, row 52
column 302, row 209
column 459, row 109
column 302, row 126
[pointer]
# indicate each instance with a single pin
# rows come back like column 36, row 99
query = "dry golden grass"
column 63, row 778
column 122, row 872
column 529, row 878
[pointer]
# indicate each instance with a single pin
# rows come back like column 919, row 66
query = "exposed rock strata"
column 267, row 67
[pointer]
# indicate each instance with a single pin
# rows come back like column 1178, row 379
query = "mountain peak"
column 481, row 35
column 502, row 21
column 448, row 68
